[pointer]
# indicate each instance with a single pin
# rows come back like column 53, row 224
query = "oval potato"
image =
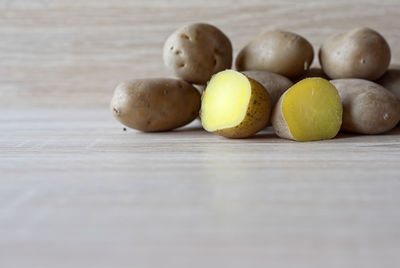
column 197, row 51
column 277, row 51
column 155, row 104
column 368, row 108
column 274, row 83
column 359, row 53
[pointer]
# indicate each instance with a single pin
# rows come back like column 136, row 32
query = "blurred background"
column 73, row 53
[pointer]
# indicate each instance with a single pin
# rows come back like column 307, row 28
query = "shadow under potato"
column 188, row 129
column 345, row 134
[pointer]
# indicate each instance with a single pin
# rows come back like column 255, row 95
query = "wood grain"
column 78, row 191
column 73, row 53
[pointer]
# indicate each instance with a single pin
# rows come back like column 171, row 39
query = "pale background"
column 77, row 191
column 73, row 53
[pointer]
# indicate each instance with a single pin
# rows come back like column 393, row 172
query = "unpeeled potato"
column 359, row 53
column 274, row 83
column 196, row 51
column 277, row 51
column 155, row 104
column 368, row 108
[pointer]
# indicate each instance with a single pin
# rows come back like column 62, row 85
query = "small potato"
column 234, row 105
column 359, row 53
column 368, row 108
column 277, row 51
column 310, row 110
column 155, row 104
column 391, row 81
column 274, row 83
column 197, row 51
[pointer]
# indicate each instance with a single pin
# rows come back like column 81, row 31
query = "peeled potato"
column 309, row 110
column 234, row 106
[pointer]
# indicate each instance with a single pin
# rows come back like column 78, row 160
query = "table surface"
column 79, row 191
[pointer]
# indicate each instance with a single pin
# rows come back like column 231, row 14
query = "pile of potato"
column 238, row 104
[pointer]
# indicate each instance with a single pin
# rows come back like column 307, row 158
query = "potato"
column 391, row 81
column 359, row 53
column 368, row 108
column 155, row 104
column 313, row 72
column 234, row 105
column 277, row 51
column 197, row 51
column 200, row 88
column 309, row 110
column 274, row 83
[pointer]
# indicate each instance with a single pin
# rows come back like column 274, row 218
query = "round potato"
column 274, row 83
column 368, row 108
column 197, row 51
column 391, row 81
column 277, row 51
column 155, row 104
column 359, row 53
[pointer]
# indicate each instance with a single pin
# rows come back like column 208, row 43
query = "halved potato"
column 309, row 110
column 234, row 105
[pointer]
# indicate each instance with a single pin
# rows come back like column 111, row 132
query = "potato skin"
column 368, row 108
column 277, row 51
column 257, row 115
column 312, row 72
column 155, row 104
column 391, row 81
column 278, row 121
column 359, row 53
column 274, row 83
column 197, row 51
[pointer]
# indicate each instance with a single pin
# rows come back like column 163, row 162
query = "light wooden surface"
column 78, row 191
column 73, row 53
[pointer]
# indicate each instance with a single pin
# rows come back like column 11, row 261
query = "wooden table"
column 78, row 191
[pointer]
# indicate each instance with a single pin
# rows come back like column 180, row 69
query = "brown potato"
column 313, row 72
column 359, row 53
column 368, row 108
column 274, row 83
column 391, row 81
column 277, row 51
column 197, row 51
column 155, row 104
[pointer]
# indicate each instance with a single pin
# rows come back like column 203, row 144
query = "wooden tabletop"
column 79, row 191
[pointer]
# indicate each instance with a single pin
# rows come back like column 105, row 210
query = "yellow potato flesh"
column 313, row 110
column 225, row 100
